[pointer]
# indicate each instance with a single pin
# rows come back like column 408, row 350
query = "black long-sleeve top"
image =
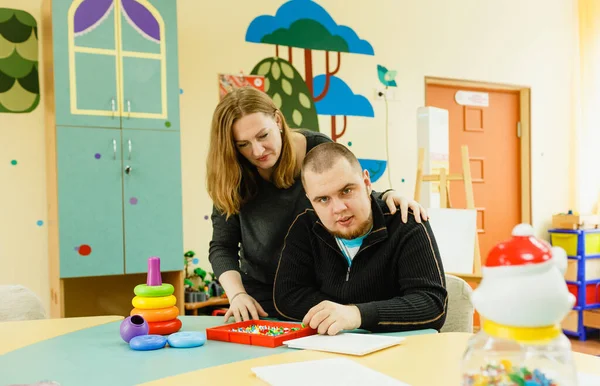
column 396, row 279
column 250, row 242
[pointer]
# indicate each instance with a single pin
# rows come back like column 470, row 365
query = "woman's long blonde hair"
column 230, row 177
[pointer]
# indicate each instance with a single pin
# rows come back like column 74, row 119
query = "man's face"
column 341, row 198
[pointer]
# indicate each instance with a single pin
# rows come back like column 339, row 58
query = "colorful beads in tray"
column 264, row 333
column 505, row 374
column 265, row 330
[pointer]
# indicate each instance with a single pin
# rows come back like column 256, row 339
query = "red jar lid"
column 521, row 249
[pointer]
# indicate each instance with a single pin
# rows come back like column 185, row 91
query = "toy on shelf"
column 259, row 333
column 155, row 302
column 582, row 278
column 194, row 293
column 575, row 221
column 198, row 288
column 522, row 299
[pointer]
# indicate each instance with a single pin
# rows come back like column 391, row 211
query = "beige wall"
column 23, row 243
column 525, row 43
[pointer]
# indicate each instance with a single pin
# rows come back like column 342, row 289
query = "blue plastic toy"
column 187, row 339
column 147, row 342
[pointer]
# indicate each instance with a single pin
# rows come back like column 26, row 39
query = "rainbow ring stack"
column 155, row 302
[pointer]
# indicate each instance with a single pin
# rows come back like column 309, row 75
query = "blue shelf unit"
column 583, row 250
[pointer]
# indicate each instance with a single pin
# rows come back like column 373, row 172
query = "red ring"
column 164, row 328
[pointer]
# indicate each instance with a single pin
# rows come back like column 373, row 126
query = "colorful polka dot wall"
column 13, row 162
column 97, row 155
column 84, row 250
column 133, row 200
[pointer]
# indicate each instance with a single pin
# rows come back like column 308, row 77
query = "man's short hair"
column 322, row 157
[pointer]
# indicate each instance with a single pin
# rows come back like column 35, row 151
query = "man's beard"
column 360, row 230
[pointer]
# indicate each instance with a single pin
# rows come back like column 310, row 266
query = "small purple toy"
column 153, row 278
column 133, row 326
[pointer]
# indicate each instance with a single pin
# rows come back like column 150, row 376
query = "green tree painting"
column 306, row 25
column 19, row 80
column 289, row 92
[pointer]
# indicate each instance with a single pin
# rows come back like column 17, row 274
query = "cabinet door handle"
column 130, row 147
column 113, row 107
column 114, row 149
column 128, row 169
column 128, row 109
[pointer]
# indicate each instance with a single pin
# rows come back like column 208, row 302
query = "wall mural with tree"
column 306, row 25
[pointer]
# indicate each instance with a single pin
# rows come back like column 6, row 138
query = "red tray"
column 224, row 333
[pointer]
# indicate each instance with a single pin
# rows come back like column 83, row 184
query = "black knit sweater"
column 396, row 279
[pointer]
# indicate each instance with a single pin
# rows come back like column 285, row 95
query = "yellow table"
column 421, row 360
column 427, row 360
column 14, row 335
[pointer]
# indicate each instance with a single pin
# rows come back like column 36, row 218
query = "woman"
column 253, row 169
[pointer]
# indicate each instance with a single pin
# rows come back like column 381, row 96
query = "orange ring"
column 157, row 315
column 164, row 328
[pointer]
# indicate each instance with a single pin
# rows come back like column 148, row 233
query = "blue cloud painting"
column 340, row 100
column 375, row 167
column 295, row 10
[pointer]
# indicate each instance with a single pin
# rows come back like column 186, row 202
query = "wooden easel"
column 444, row 178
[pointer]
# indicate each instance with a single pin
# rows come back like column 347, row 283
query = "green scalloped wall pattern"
column 19, row 80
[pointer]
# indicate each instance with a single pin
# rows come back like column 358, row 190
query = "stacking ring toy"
column 186, row 339
column 145, row 303
column 147, row 342
column 164, row 289
column 156, row 315
column 164, row 328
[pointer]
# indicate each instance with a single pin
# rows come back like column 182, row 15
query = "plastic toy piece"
column 153, row 278
column 148, row 342
column 157, row 315
column 145, row 303
column 187, row 339
column 133, row 326
column 155, row 302
column 164, row 328
column 164, row 289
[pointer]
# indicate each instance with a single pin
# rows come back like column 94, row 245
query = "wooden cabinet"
column 116, row 63
column 152, row 199
column 90, row 208
column 114, row 173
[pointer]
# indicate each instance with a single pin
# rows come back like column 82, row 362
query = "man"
column 348, row 263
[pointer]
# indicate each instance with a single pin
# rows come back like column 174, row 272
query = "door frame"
column 524, row 118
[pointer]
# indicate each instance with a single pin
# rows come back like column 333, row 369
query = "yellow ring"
column 146, row 303
column 157, row 315
column 522, row 334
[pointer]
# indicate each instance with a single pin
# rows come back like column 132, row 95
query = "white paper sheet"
column 585, row 379
column 324, row 372
column 345, row 343
column 454, row 231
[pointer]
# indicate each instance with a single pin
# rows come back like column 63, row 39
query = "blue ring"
column 147, row 342
column 187, row 339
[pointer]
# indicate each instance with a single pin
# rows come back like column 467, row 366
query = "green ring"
column 164, row 289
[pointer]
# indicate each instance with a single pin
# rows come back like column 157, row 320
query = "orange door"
column 495, row 157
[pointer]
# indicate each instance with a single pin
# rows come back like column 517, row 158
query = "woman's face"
column 257, row 136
